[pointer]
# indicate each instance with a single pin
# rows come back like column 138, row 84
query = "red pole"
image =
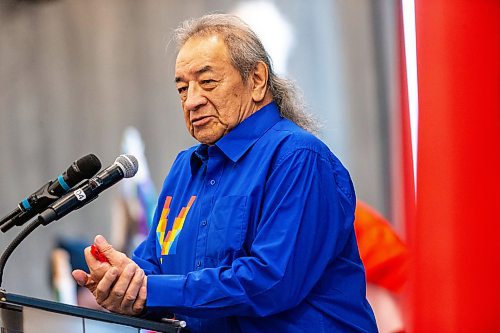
column 455, row 284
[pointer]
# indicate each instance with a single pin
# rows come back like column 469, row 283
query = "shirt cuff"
column 165, row 291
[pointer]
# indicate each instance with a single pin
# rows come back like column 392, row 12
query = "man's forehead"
column 201, row 46
column 200, row 55
column 196, row 71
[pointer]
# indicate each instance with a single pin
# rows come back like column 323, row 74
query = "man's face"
column 213, row 95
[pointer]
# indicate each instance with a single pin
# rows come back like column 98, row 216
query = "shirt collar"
column 241, row 138
column 198, row 157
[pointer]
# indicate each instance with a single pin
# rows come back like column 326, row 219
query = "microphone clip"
column 27, row 208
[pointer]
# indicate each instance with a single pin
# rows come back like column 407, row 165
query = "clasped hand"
column 118, row 285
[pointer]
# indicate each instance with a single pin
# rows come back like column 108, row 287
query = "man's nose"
column 194, row 98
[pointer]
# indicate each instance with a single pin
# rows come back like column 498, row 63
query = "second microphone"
column 125, row 166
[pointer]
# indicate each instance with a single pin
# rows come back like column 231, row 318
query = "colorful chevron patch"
column 168, row 239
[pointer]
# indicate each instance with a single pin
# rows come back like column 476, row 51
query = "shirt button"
column 198, row 264
column 204, row 222
column 212, row 182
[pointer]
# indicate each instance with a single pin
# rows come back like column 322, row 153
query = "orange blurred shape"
column 383, row 253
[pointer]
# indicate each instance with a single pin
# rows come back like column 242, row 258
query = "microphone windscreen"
column 128, row 164
column 84, row 168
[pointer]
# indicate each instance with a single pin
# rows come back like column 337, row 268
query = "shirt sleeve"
column 306, row 218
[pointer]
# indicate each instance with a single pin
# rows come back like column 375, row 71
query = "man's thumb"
column 114, row 257
column 103, row 246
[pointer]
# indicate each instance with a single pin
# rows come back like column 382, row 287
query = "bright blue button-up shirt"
column 255, row 234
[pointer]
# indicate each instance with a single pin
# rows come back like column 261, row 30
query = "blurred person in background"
column 386, row 260
column 253, row 231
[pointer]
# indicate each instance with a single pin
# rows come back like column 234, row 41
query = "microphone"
column 125, row 166
column 81, row 169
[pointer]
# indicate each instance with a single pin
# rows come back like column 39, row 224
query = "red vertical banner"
column 455, row 282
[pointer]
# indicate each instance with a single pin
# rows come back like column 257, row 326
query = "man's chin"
column 206, row 139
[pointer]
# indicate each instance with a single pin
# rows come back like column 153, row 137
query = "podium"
column 22, row 314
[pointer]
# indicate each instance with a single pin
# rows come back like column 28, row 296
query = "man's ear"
column 260, row 78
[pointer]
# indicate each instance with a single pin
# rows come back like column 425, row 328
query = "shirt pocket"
column 227, row 228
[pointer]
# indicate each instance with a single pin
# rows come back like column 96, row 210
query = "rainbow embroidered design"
column 168, row 241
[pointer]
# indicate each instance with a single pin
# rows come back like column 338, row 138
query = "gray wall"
column 74, row 74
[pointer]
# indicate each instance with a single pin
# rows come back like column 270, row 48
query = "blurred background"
column 75, row 75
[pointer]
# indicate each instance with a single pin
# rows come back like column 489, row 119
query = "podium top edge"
column 9, row 299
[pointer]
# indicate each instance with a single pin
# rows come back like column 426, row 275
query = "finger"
column 97, row 268
column 102, row 244
column 140, row 302
column 114, row 300
column 80, row 277
column 84, row 280
column 104, row 286
column 115, row 258
column 132, row 291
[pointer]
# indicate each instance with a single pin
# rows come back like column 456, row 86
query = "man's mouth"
column 200, row 121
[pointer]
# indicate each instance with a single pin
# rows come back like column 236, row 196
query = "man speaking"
column 253, row 231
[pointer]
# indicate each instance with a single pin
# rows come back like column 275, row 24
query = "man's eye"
column 208, row 83
column 181, row 89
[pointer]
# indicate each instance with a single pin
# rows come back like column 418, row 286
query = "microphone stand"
column 15, row 242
